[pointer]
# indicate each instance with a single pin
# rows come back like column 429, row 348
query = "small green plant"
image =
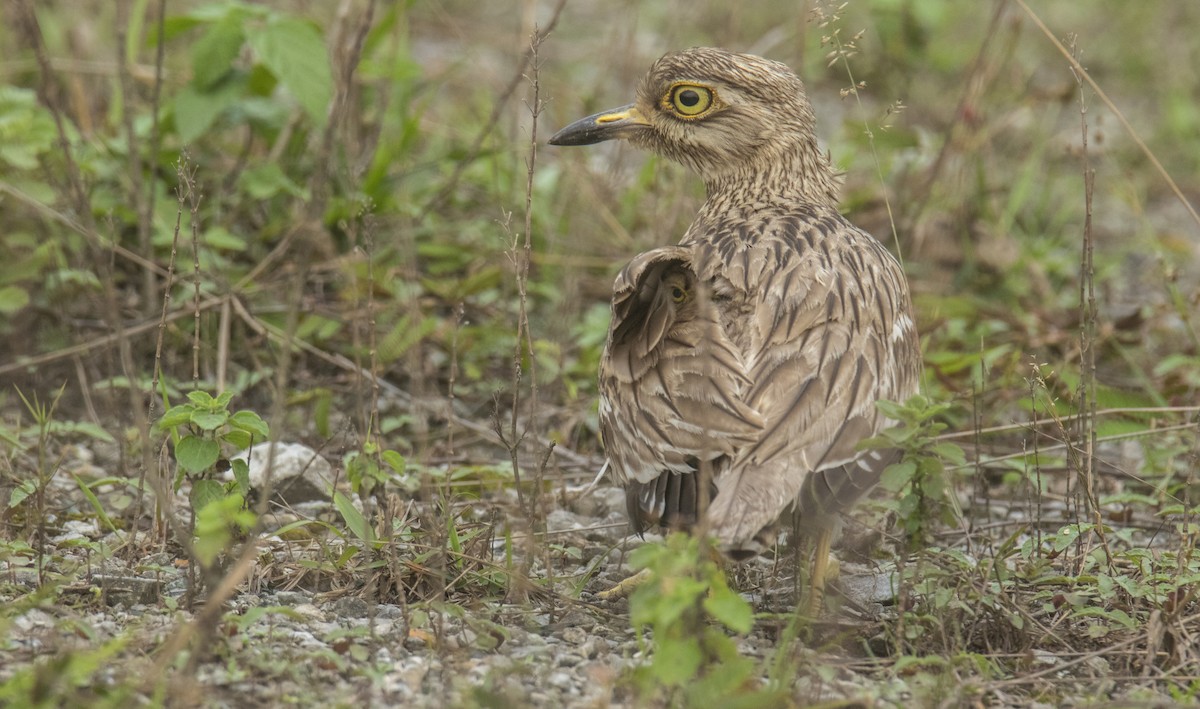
column 70, row 678
column 926, row 489
column 367, row 470
column 689, row 610
column 202, row 430
column 27, row 499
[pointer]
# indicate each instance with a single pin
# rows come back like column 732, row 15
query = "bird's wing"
column 830, row 320
column 671, row 383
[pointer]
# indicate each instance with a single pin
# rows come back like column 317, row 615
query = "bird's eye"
column 678, row 294
column 690, row 100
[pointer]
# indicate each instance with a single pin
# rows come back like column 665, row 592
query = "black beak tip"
column 576, row 134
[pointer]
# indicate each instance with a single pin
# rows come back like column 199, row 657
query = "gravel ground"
column 299, row 631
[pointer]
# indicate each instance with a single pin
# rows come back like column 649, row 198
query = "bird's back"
column 795, row 324
column 821, row 314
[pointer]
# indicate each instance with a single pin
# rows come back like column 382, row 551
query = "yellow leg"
column 626, row 587
column 817, row 573
column 630, row 584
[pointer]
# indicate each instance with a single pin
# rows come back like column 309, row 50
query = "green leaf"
column 94, row 502
column 221, row 238
column 951, row 452
column 267, row 180
column 898, row 475
column 394, row 460
column 214, row 53
column 241, row 475
column 295, row 52
column 251, row 423
column 317, row 327
column 209, row 420
column 890, row 409
column 730, row 609
column 240, row 440
column 354, row 519
column 676, row 660
column 452, row 536
column 86, row 428
column 20, row 492
column 201, row 398
column 205, row 492
column 216, row 519
column 195, row 455
column 26, row 130
column 404, row 335
column 195, row 111
column 1068, row 534
column 12, row 299
column 1175, row 361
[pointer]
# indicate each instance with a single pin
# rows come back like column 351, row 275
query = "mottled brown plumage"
column 793, row 323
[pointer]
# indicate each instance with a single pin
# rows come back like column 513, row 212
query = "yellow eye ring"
column 689, row 100
column 678, row 294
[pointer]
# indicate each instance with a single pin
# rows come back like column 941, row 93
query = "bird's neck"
column 787, row 173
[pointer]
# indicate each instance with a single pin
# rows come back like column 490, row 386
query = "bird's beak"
column 605, row 125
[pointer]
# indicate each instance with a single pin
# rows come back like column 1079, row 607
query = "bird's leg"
column 817, row 572
column 704, row 476
column 625, row 587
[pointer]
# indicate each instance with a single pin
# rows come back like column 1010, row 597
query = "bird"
column 743, row 365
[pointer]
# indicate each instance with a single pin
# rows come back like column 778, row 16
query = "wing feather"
column 672, row 385
column 822, row 352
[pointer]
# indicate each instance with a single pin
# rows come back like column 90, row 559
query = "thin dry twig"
column 493, row 120
column 404, row 397
column 1086, row 420
column 1082, row 73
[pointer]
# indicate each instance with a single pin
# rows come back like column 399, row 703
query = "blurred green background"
column 387, row 223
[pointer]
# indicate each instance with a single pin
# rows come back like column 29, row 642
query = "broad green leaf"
column 317, row 327
column 214, row 53
column 209, row 420
column 404, row 335
column 676, row 660
column 216, row 520
column 730, row 609
column 201, row 398
column 221, row 238
column 1068, row 534
column 196, row 454
column 898, row 475
column 12, row 299
column 26, row 130
column 394, row 460
column 951, row 452
column 267, row 180
column 241, row 475
column 250, row 422
column 205, row 492
column 240, row 440
column 20, row 492
column 295, row 52
column 889, row 408
column 195, row 111
column 1175, row 361
column 86, row 428
column 354, row 519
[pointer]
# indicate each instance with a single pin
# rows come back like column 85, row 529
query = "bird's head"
column 726, row 116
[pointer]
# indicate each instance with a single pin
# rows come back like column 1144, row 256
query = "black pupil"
column 676, row 293
column 689, row 98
